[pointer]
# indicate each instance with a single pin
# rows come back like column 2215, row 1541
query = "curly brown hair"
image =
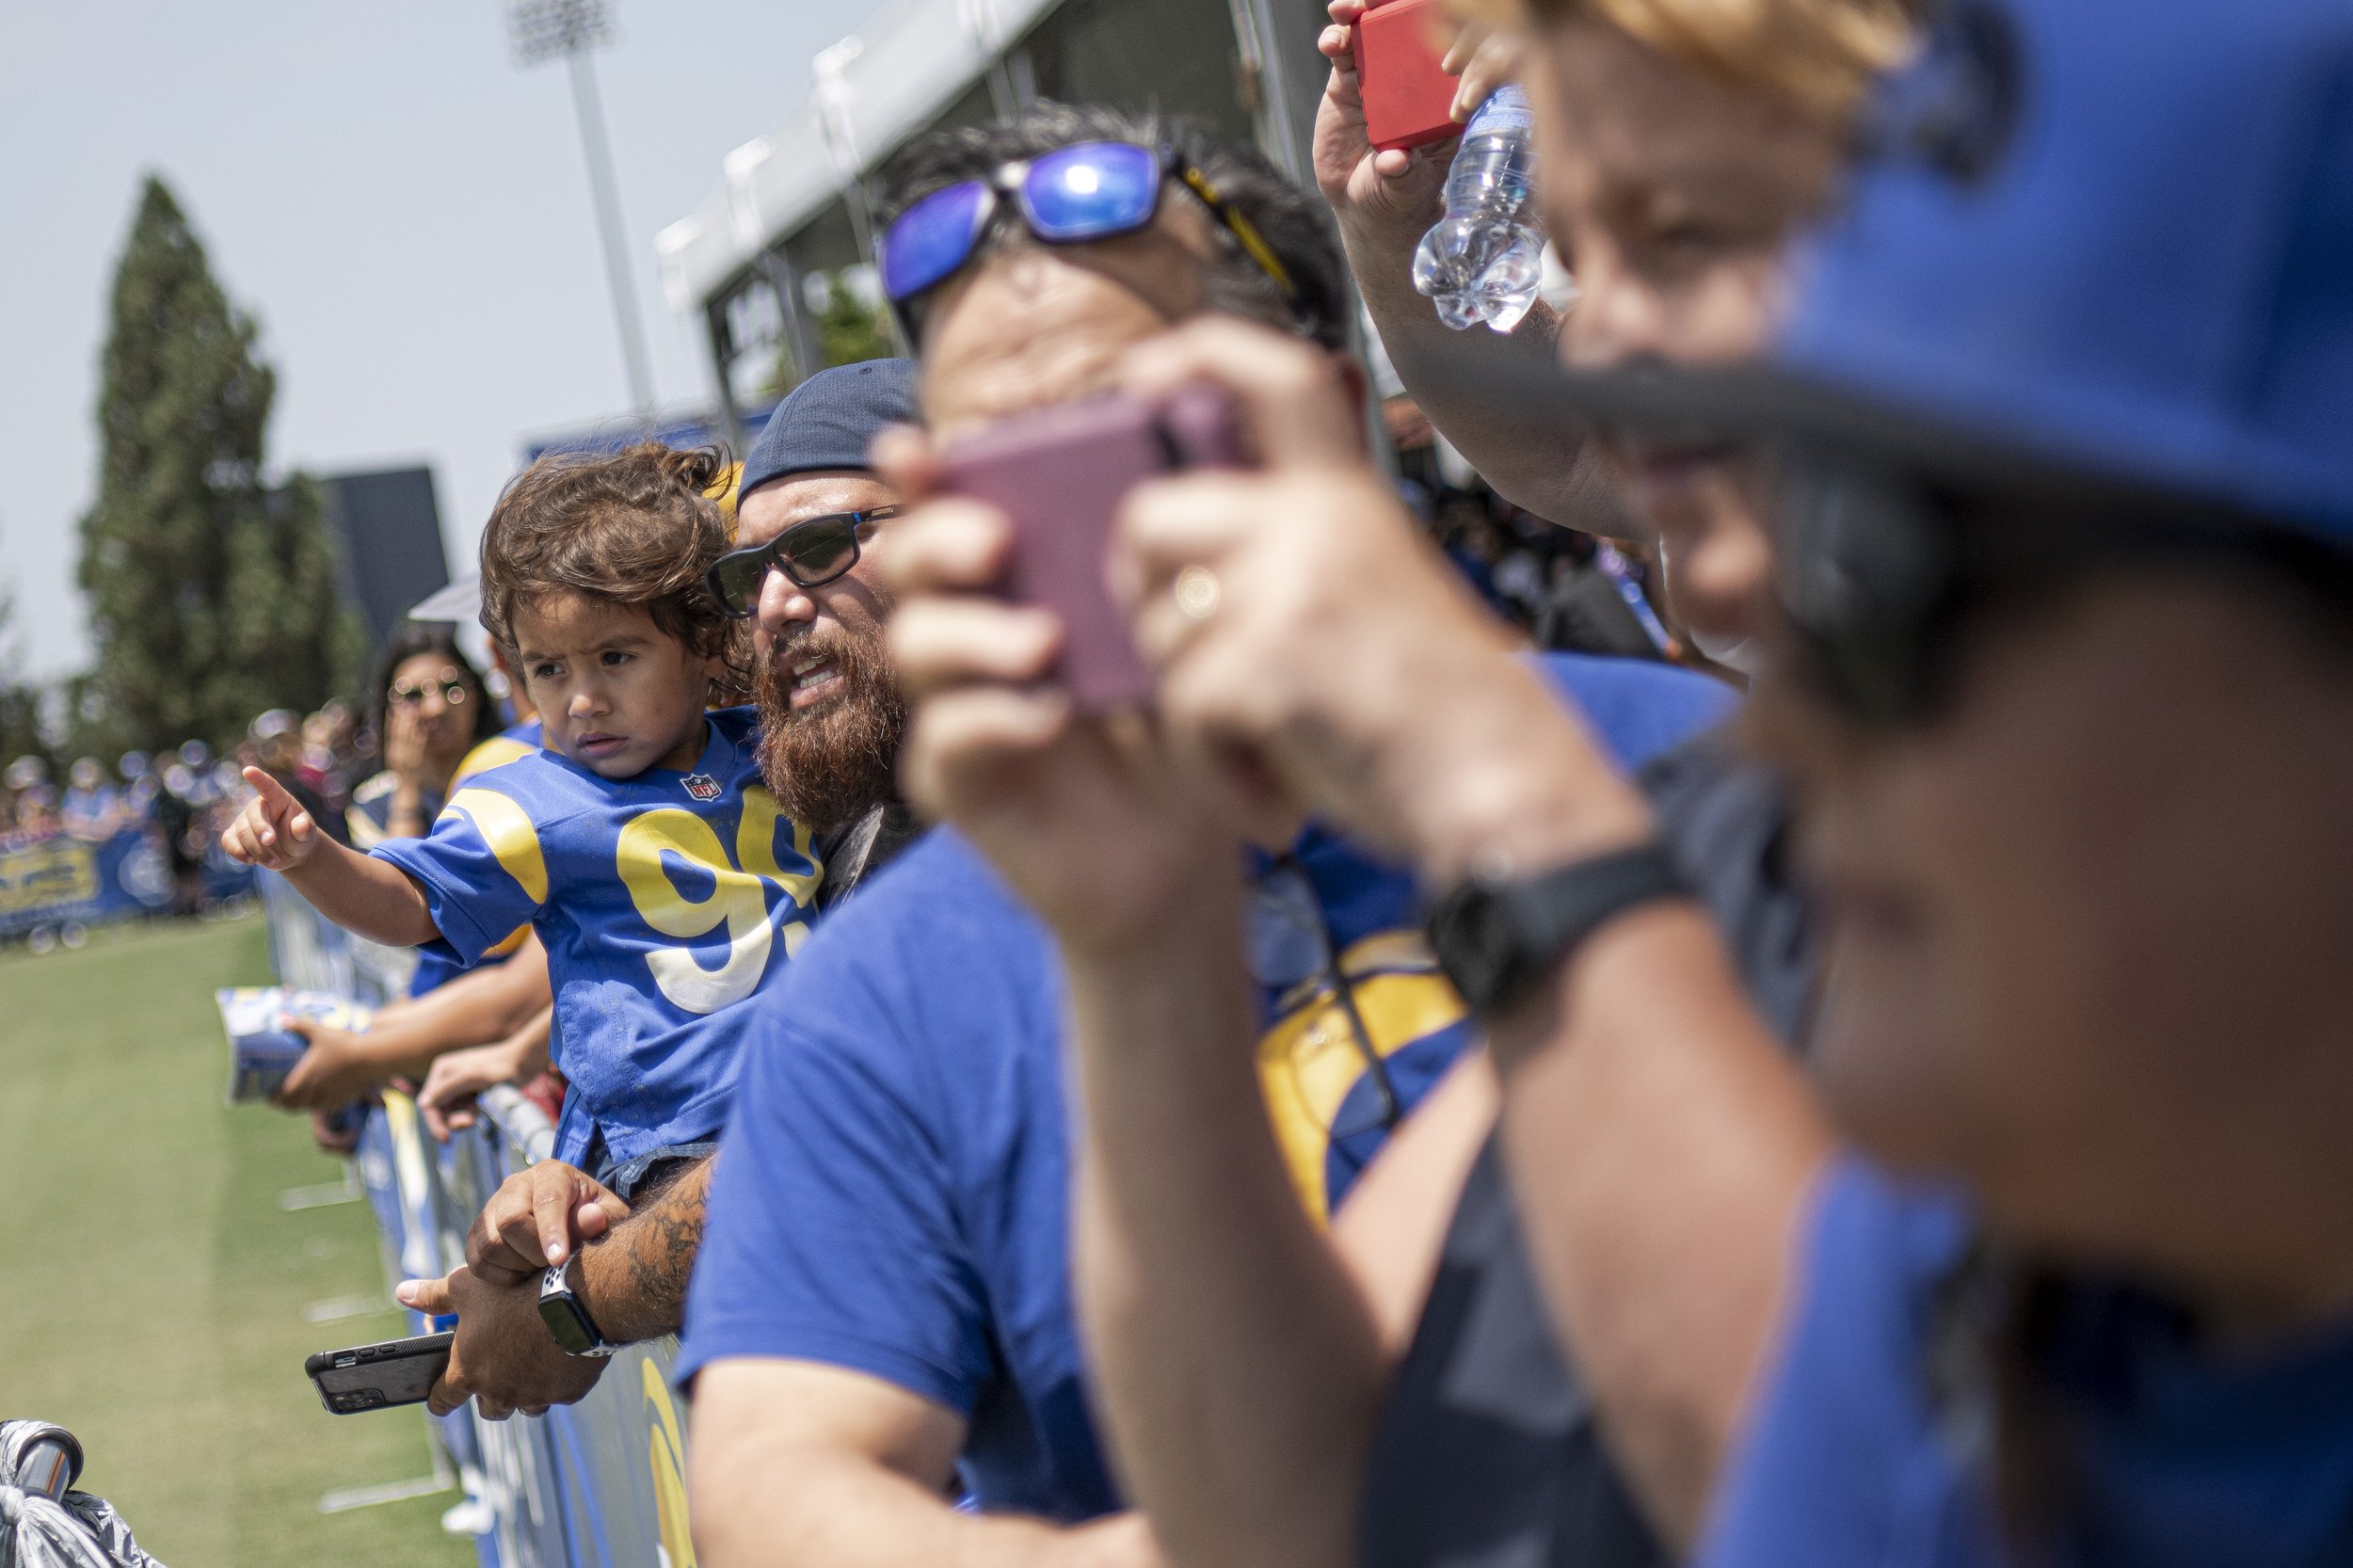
column 638, row 526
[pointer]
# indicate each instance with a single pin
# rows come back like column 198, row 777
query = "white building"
column 793, row 207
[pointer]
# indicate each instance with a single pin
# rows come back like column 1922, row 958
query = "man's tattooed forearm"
column 647, row 1260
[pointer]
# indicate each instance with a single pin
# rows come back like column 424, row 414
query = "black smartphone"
column 377, row 1377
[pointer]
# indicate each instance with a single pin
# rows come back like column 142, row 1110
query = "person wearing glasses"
column 435, row 723
column 430, row 710
column 881, row 1316
column 831, row 714
column 2048, row 1262
column 639, row 841
column 1691, row 141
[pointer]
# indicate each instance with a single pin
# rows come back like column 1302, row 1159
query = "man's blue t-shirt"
column 2173, row 1458
column 663, row 900
column 894, row 1197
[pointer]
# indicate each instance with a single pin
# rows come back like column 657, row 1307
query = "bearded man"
column 831, row 713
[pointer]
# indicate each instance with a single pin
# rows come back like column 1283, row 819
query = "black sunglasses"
column 812, row 553
column 1882, row 572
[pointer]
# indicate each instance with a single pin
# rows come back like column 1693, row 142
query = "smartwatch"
column 1495, row 937
column 567, row 1317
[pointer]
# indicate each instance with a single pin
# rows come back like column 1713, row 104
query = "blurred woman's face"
column 434, row 700
column 1670, row 194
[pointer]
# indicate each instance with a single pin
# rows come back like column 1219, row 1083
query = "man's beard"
column 829, row 765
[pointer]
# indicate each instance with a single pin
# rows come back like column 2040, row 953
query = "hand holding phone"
column 381, row 1376
column 1400, row 73
column 1060, row 475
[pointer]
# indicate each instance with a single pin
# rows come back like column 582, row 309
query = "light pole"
column 541, row 29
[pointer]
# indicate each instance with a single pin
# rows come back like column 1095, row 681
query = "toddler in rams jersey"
column 640, row 842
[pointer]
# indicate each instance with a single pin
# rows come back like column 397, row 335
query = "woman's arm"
column 1242, row 1370
column 486, row 1005
column 1384, row 202
column 1661, row 1144
column 1393, row 1227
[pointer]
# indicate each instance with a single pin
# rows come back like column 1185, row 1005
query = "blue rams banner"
column 54, row 880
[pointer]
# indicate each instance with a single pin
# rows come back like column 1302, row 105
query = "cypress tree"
column 212, row 597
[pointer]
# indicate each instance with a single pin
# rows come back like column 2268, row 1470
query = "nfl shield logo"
column 702, row 785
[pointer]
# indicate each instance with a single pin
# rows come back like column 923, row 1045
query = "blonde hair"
column 1820, row 56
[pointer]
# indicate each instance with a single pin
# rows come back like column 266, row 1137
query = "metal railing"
column 597, row 1484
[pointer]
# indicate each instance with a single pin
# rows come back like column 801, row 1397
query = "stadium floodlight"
column 540, row 30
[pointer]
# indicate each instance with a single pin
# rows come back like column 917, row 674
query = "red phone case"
column 1409, row 101
column 1060, row 473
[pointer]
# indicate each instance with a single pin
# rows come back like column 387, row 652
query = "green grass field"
column 151, row 1289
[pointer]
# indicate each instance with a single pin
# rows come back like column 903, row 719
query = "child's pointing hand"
column 273, row 831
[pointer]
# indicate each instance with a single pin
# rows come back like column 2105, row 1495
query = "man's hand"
column 1338, row 657
column 273, row 831
column 335, row 1071
column 1098, row 827
column 503, row 1357
column 1385, row 198
column 537, row 1219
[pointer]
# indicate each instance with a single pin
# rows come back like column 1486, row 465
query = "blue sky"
column 406, row 211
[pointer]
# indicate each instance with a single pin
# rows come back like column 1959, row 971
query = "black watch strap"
column 1494, row 937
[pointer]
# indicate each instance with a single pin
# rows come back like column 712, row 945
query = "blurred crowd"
column 383, row 769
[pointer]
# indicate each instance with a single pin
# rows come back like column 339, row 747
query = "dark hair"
column 639, row 526
column 435, row 638
column 1296, row 226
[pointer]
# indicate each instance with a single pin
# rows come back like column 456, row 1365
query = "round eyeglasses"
column 451, row 687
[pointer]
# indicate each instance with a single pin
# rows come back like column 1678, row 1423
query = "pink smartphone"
column 1060, row 473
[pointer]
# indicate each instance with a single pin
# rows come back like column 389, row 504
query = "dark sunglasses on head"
column 1882, row 572
column 812, row 553
column 1092, row 190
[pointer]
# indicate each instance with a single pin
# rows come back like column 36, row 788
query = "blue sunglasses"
column 1091, row 190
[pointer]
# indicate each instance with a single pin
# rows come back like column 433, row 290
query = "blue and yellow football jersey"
column 1357, row 1022
column 436, row 966
column 663, row 900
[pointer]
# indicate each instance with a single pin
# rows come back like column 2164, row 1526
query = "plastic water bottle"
column 1482, row 261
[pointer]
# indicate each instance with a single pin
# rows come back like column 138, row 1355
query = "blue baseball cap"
column 830, row 421
column 2110, row 236
column 2088, row 241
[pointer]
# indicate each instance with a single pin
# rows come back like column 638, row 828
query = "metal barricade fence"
column 597, row 1484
